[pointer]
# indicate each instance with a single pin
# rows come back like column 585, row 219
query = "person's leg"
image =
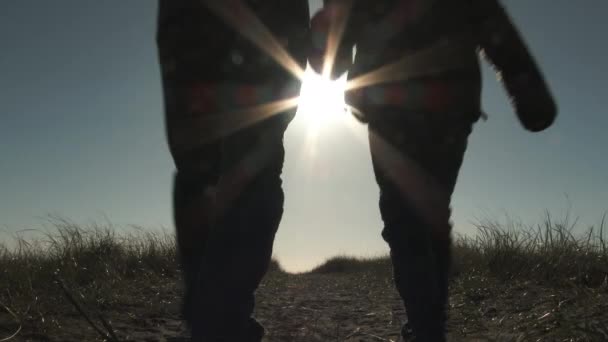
column 190, row 211
column 250, row 206
column 197, row 171
column 416, row 162
column 228, row 202
column 228, row 194
column 181, row 45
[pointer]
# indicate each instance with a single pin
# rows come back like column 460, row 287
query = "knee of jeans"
column 189, row 205
column 409, row 237
column 190, row 183
column 255, row 214
column 266, row 189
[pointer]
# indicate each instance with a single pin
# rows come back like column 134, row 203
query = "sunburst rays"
column 339, row 16
column 208, row 128
column 416, row 186
column 242, row 19
column 447, row 54
column 212, row 126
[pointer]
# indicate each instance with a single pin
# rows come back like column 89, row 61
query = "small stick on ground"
column 353, row 333
column 110, row 337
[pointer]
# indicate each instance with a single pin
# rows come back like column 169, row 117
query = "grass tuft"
column 96, row 262
column 550, row 253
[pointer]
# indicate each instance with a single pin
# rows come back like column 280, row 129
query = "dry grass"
column 137, row 271
column 551, row 253
column 87, row 256
column 95, row 264
column 348, row 264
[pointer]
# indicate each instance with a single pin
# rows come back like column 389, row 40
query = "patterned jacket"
column 426, row 51
column 215, row 75
column 200, row 49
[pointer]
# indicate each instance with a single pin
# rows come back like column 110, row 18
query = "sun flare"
column 322, row 100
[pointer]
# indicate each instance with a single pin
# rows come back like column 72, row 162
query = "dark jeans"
column 228, row 202
column 225, row 256
column 228, row 197
column 416, row 159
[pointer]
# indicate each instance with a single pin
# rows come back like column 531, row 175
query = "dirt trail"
column 356, row 307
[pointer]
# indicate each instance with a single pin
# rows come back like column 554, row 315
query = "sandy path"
column 356, row 307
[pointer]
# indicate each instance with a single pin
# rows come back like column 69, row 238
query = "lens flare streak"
column 416, row 186
column 446, row 55
column 340, row 16
column 208, row 128
column 241, row 18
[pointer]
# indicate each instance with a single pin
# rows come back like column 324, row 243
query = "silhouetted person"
column 421, row 105
column 228, row 198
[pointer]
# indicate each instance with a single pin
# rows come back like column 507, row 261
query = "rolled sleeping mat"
column 502, row 45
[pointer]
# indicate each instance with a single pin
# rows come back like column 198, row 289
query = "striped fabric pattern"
column 384, row 32
column 216, row 97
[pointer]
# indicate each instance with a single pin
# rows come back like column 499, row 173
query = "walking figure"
column 416, row 81
column 221, row 92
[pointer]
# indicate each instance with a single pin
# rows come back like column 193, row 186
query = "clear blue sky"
column 81, row 131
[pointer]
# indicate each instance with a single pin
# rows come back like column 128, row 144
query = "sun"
column 321, row 100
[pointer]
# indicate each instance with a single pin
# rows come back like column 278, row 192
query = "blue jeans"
column 228, row 197
column 223, row 260
column 416, row 159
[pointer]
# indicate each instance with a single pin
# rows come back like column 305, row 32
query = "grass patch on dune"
column 93, row 264
column 349, row 264
column 95, row 256
column 550, row 253
column 85, row 256
column 103, row 267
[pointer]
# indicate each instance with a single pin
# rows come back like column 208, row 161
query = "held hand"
column 327, row 53
column 319, row 27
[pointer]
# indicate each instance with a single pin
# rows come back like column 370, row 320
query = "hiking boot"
column 407, row 334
